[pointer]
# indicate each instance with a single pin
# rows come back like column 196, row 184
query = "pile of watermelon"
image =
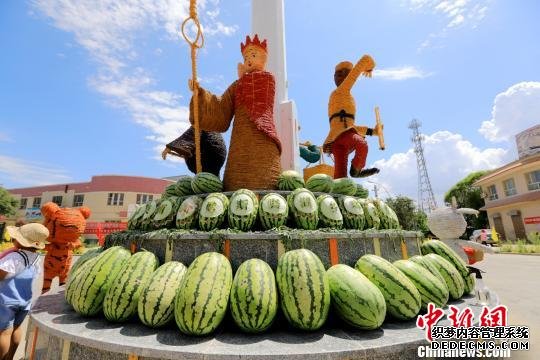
column 336, row 206
column 122, row 286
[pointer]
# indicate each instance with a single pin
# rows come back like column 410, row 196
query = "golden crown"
column 254, row 42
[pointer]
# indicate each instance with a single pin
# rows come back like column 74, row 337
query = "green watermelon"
column 290, row 180
column 329, row 213
column 402, row 298
column 201, row 302
column 213, row 211
column 120, row 302
column 135, row 220
column 419, row 259
column 356, row 300
column 75, row 277
column 183, row 185
column 303, row 288
column 304, row 209
column 165, row 213
column 320, row 183
column 88, row 255
column 146, row 223
column 352, row 211
column 470, row 284
column 205, row 182
column 387, row 216
column 188, row 213
column 344, row 186
column 452, row 277
column 371, row 214
column 170, row 190
column 431, row 289
column 243, row 208
column 361, row 191
column 440, row 248
column 273, row 211
column 88, row 289
column 156, row 302
column 254, row 296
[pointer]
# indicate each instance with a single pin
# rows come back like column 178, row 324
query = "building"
column 110, row 197
column 512, row 192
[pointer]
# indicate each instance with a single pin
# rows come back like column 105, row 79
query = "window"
column 57, row 200
column 37, row 202
column 115, row 199
column 78, row 200
column 509, row 187
column 22, row 204
column 144, row 198
column 492, row 192
column 533, row 180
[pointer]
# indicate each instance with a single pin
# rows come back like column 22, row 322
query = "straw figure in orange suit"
column 65, row 226
column 253, row 161
column 345, row 137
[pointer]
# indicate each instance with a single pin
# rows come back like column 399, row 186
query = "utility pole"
column 375, row 190
column 426, row 199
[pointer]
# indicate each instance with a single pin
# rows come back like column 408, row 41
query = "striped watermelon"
column 352, row 211
column 156, row 302
column 344, row 186
column 402, row 298
column 452, row 277
column 329, row 213
column 135, row 219
column 121, row 300
column 146, row 221
column 303, row 288
column 304, row 209
column 183, row 186
column 371, row 214
column 254, row 296
column 243, row 208
column 440, row 248
column 290, row 180
column 320, row 183
column 74, row 279
column 387, row 216
column 419, row 259
column 88, row 255
column 170, row 190
column 361, row 191
column 165, row 213
column 201, row 302
column 470, row 284
column 205, row 182
column 213, row 211
column 90, row 286
column 188, row 213
column 273, row 211
column 431, row 289
column 356, row 300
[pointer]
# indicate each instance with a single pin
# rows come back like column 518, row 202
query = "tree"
column 8, row 204
column 410, row 217
column 469, row 196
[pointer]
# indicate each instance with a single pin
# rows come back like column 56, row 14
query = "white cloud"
column 400, row 73
column 5, row 138
column 29, row 173
column 514, row 110
column 449, row 158
column 109, row 31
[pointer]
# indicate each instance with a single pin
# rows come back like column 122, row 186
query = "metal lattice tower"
column 426, row 200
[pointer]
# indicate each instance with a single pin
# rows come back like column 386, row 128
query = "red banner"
column 532, row 220
column 101, row 229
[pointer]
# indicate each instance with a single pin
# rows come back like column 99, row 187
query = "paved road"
column 516, row 279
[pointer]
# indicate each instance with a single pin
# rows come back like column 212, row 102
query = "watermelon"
column 303, row 288
column 361, row 191
column 329, row 213
column 371, row 215
column 387, row 216
column 273, row 211
column 402, row 298
column 146, row 222
column 243, row 208
column 352, row 211
column 170, row 190
column 74, row 279
column 344, row 186
column 320, row 183
column 470, row 284
column 254, row 296
column 356, row 300
column 156, row 302
column 183, row 186
column 304, row 209
column 134, row 221
column 121, row 300
column 452, row 277
column 188, row 213
column 431, row 289
column 290, row 180
column 205, row 182
column 165, row 213
column 440, row 248
column 213, row 211
column 90, row 286
column 88, row 255
column 201, row 302
column 419, row 259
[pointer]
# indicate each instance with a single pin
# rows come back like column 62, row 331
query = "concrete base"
column 63, row 334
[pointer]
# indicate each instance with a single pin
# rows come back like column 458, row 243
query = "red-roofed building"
column 109, row 197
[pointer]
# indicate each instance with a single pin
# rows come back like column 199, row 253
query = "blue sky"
column 93, row 87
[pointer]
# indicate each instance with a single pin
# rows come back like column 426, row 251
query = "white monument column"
column 268, row 21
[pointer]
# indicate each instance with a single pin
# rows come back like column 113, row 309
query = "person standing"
column 18, row 270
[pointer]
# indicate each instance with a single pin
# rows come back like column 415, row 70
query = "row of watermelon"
column 301, row 210
column 198, row 297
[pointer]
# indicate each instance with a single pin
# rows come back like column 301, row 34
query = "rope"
column 195, row 44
